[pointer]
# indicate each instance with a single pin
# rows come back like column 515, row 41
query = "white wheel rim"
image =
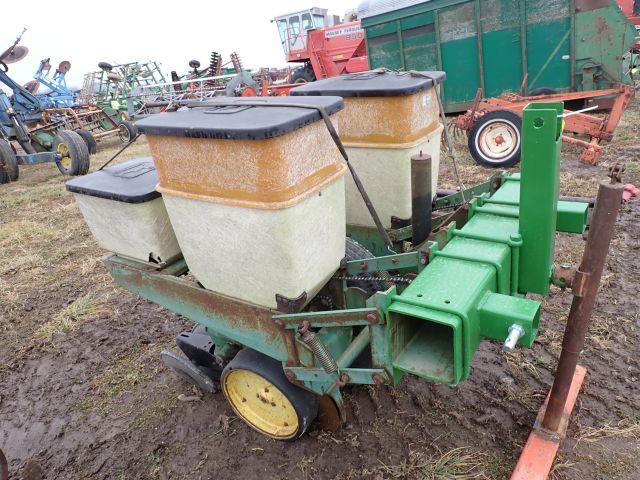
column 497, row 140
column 123, row 133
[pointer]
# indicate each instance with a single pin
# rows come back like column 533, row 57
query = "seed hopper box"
column 387, row 118
column 255, row 195
column 125, row 213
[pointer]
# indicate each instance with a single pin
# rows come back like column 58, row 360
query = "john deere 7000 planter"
column 420, row 307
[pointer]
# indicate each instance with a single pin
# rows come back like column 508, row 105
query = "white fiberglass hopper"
column 125, row 214
column 255, row 194
column 387, row 118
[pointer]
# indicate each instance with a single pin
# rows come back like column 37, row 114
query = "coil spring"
column 319, row 350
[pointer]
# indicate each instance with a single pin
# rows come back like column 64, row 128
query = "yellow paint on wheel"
column 259, row 403
column 65, row 161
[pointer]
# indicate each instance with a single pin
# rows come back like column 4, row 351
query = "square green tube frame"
column 499, row 312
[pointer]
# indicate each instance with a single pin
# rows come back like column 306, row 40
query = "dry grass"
column 517, row 362
column 457, row 464
column 628, row 428
column 81, row 310
column 126, row 373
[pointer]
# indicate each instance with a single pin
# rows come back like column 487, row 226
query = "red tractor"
column 323, row 45
column 631, row 9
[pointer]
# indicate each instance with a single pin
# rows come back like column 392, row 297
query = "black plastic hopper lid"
column 131, row 182
column 374, row 83
column 249, row 118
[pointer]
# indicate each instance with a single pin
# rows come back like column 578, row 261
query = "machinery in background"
column 531, row 47
column 22, row 122
column 631, row 9
column 325, row 46
column 59, row 94
column 494, row 125
column 50, row 127
column 109, row 87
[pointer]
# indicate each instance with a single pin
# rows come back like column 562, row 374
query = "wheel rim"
column 259, row 403
column 497, row 140
column 300, row 80
column 65, row 161
column 123, row 133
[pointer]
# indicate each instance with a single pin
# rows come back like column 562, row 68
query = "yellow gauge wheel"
column 261, row 404
column 65, row 161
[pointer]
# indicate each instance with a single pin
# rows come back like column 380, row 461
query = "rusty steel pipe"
column 421, row 198
column 603, row 221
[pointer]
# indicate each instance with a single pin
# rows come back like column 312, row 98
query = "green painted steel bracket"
column 244, row 323
column 542, row 125
column 571, row 217
column 435, row 327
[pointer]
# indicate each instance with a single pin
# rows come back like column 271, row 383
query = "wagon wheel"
column 258, row 390
column 127, row 131
column 495, row 139
column 9, row 170
column 74, row 154
column 89, row 140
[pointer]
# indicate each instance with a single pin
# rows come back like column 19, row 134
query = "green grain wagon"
column 501, row 45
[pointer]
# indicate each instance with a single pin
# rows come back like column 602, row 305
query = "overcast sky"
column 119, row 31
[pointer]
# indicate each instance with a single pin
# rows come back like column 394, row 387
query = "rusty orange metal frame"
column 597, row 127
column 540, row 450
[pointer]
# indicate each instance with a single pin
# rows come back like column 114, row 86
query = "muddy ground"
column 84, row 395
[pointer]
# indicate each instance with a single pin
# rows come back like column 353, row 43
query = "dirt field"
column 83, row 393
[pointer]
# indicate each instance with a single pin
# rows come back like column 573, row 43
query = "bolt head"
column 372, row 317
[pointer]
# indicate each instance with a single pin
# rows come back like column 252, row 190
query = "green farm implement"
column 109, row 87
column 421, row 307
column 530, row 47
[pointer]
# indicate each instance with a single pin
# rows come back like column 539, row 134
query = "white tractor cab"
column 293, row 28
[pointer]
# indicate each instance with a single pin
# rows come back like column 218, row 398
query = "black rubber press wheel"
column 258, row 390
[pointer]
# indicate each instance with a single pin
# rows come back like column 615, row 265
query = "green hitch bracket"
column 473, row 287
column 539, row 193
